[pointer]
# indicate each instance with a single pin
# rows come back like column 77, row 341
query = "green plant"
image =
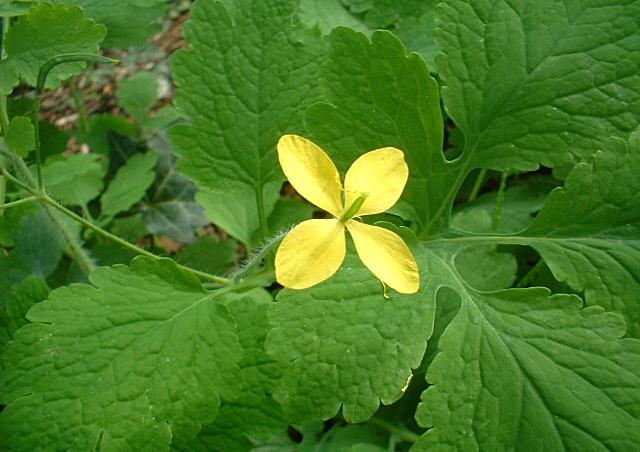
column 521, row 209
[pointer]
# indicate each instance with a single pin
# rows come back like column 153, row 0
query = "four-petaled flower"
column 315, row 249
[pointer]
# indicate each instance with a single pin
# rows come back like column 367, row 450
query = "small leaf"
column 21, row 136
column 39, row 243
column 75, row 180
column 129, row 185
column 46, row 31
column 171, row 209
column 137, row 94
column 129, row 23
column 209, row 254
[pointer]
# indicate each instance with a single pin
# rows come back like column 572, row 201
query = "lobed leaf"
column 346, row 345
column 140, row 356
column 542, row 82
column 380, row 96
column 520, row 369
column 128, row 23
column 254, row 415
column 588, row 232
column 249, row 74
column 46, row 31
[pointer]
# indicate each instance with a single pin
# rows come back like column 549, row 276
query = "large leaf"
column 46, row 31
column 519, row 369
column 24, row 295
column 254, row 415
column 128, row 23
column 248, row 76
column 542, row 82
column 589, row 231
column 138, row 357
column 346, row 344
column 380, row 96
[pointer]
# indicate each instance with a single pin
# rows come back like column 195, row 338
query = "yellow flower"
column 314, row 250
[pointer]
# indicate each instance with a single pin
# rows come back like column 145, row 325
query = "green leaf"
column 236, row 211
column 521, row 203
column 329, row 14
column 137, row 94
column 129, row 23
column 102, row 128
column 46, row 31
column 21, row 136
column 129, row 185
column 254, row 415
column 486, row 268
column 588, row 232
column 16, row 8
column 39, row 244
column 380, row 96
column 346, row 344
column 75, row 180
column 171, row 210
column 31, row 290
column 288, row 212
column 519, row 369
column 209, row 254
column 140, row 356
column 247, row 78
column 412, row 20
column 539, row 83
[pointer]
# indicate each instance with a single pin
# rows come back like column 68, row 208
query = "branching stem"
column 46, row 199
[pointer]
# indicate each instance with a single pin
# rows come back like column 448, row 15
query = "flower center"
column 353, row 209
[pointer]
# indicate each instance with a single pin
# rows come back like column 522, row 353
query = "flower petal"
column 381, row 175
column 386, row 255
column 310, row 253
column 311, row 172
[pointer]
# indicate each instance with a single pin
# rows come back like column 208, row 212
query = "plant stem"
column 533, row 271
column 78, row 100
column 264, row 227
column 402, row 433
column 4, row 118
column 477, row 185
column 51, row 202
column 497, row 213
column 17, row 203
column 80, row 255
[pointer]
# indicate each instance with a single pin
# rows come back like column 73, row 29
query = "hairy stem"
column 16, row 203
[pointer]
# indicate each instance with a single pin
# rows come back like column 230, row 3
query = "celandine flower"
column 315, row 249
